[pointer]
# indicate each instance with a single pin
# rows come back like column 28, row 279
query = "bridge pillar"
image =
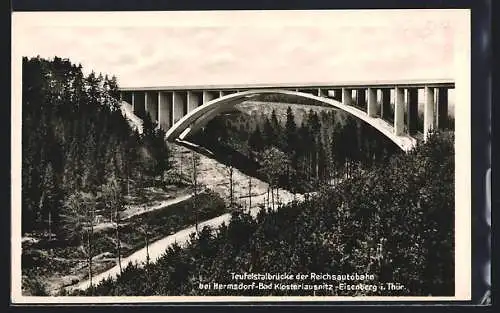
column 132, row 98
column 412, row 111
column 372, row 102
column 428, row 111
column 361, row 97
column 193, row 100
column 385, row 107
column 337, row 94
column 322, row 93
column 442, row 108
column 138, row 103
column 165, row 110
column 151, row 104
column 127, row 96
column 179, row 105
column 208, row 96
column 399, row 111
column 347, row 96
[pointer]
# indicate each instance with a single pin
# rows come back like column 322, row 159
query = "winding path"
column 214, row 175
column 157, row 248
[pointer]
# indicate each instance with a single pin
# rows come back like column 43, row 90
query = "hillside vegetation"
column 80, row 159
column 395, row 222
column 324, row 148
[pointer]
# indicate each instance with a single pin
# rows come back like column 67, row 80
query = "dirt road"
column 213, row 175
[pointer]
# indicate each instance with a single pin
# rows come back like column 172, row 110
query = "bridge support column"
column 126, row 96
column 179, row 106
column 412, row 111
column 208, row 96
column 151, row 104
column 337, row 94
column 372, row 102
column 361, row 98
column 193, row 100
column 321, row 93
column 165, row 110
column 399, row 111
column 138, row 103
column 428, row 111
column 347, row 96
column 442, row 108
column 385, row 107
column 132, row 101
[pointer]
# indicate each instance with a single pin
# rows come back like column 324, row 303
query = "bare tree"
column 268, row 196
column 114, row 203
column 181, row 161
column 249, row 193
column 50, row 226
column 231, row 186
column 195, row 160
column 230, row 172
column 79, row 213
column 145, row 231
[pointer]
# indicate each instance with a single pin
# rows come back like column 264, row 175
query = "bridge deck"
column 417, row 83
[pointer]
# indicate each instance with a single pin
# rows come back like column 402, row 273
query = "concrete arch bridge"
column 185, row 109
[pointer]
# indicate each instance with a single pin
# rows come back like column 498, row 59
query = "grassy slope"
column 59, row 264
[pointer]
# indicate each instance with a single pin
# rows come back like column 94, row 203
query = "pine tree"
column 69, row 122
column 113, row 87
column 321, row 162
column 49, row 198
column 90, row 178
column 277, row 130
column 304, row 150
column 291, row 143
column 256, row 141
column 161, row 152
column 290, row 133
column 269, row 134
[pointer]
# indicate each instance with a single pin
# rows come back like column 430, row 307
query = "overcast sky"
column 192, row 48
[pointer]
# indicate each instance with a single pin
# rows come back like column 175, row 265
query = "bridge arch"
column 202, row 114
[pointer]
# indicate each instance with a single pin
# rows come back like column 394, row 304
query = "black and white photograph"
column 309, row 155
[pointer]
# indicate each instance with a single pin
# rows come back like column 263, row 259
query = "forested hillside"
column 325, row 147
column 76, row 145
column 375, row 210
column 395, row 222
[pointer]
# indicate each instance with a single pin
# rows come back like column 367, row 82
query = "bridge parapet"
column 408, row 83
